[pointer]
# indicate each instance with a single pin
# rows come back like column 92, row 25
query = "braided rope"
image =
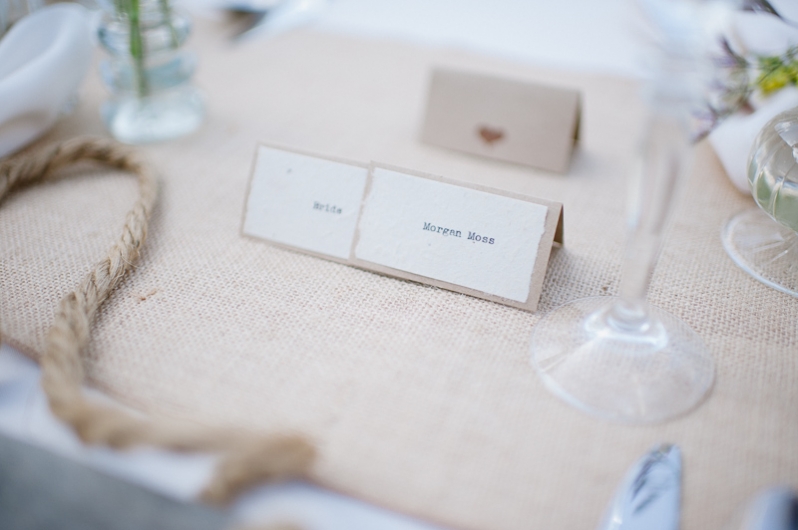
column 247, row 459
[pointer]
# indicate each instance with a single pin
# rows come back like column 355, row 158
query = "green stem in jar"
column 166, row 12
column 137, row 48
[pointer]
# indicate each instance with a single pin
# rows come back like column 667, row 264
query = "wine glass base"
column 763, row 248
column 645, row 377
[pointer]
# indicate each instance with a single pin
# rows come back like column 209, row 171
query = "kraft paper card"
column 526, row 123
column 469, row 239
column 305, row 202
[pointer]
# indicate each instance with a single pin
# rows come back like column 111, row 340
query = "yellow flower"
column 774, row 80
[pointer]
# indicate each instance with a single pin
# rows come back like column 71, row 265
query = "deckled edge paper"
column 333, row 190
column 470, row 202
column 505, row 119
column 550, row 232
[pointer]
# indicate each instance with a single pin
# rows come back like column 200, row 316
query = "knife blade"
column 772, row 509
column 649, row 497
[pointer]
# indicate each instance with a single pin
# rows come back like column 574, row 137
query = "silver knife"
column 649, row 498
column 772, row 509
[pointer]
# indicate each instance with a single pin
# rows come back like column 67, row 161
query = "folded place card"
column 305, row 202
column 478, row 241
column 509, row 120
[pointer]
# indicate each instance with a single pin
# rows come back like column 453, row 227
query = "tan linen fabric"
column 420, row 399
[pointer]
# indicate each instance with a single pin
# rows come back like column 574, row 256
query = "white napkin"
column 43, row 59
column 760, row 34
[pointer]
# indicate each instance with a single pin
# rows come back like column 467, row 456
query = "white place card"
column 478, row 241
column 457, row 235
column 304, row 201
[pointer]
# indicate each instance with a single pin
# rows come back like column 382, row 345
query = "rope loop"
column 247, row 459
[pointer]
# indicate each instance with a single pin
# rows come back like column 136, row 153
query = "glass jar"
column 148, row 72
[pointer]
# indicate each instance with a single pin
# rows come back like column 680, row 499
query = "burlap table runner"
column 420, row 399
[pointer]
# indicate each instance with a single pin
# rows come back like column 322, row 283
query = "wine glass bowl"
column 763, row 240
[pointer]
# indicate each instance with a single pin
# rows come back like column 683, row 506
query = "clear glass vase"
column 763, row 241
column 148, row 72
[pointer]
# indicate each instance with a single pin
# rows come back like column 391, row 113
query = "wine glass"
column 620, row 358
column 763, row 240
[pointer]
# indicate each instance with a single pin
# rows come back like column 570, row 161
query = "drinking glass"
column 621, row 358
column 763, row 240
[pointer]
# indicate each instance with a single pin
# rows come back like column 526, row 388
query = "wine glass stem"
column 660, row 163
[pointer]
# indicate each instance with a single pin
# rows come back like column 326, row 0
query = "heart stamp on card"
column 512, row 120
column 490, row 135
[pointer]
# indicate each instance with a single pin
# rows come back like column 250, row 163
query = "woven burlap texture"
column 420, row 399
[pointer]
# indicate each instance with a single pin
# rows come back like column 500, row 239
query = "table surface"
column 579, row 34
